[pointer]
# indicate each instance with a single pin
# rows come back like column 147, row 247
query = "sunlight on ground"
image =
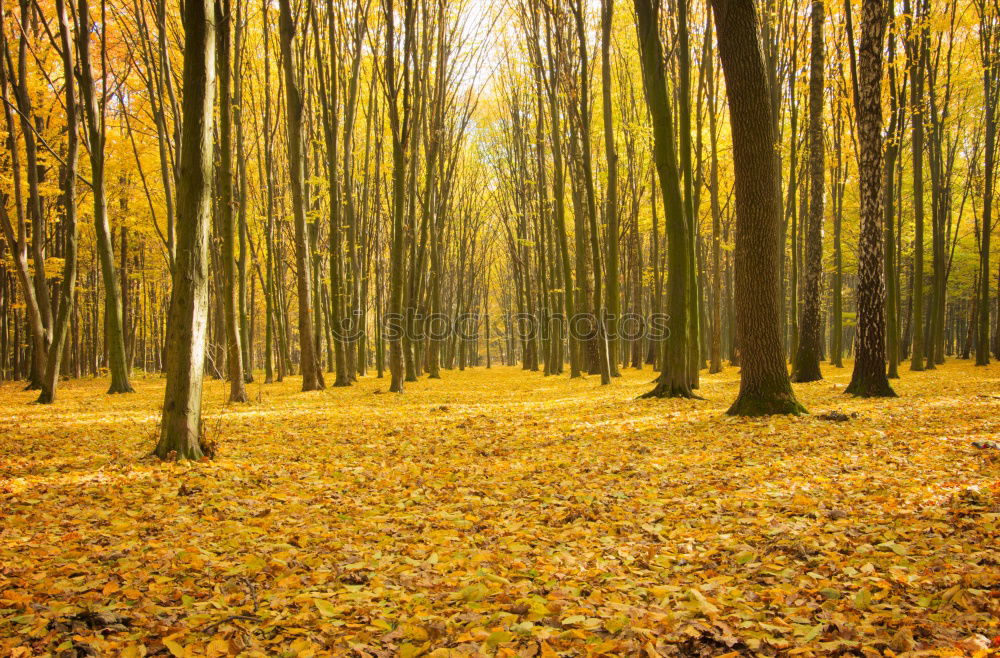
column 502, row 512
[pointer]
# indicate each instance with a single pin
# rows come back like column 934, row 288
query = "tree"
column 917, row 45
column 559, row 186
column 611, row 202
column 29, row 212
column 180, row 427
column 892, row 150
column 397, row 85
column 67, row 290
column 869, row 377
column 582, row 114
column 94, row 114
column 806, row 368
column 989, row 40
column 764, row 385
column 328, row 93
column 312, row 372
column 674, row 380
column 231, row 291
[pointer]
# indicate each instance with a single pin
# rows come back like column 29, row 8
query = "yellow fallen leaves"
column 504, row 513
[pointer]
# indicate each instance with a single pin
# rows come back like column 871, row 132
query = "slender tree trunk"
column 810, row 332
column 397, row 85
column 600, row 341
column 694, row 359
column 715, row 348
column 559, row 197
column 869, row 377
column 17, row 241
column 312, row 372
column 916, row 43
column 989, row 36
column 231, row 290
column 67, row 291
column 674, row 380
column 611, row 200
column 94, row 113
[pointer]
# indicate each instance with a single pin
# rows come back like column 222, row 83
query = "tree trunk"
column 989, row 36
column 674, row 380
column 312, row 372
column 231, row 289
column 869, row 377
column 94, row 113
column 916, row 43
column 764, row 384
column 67, row 291
column 180, row 429
column 810, row 334
column 611, row 200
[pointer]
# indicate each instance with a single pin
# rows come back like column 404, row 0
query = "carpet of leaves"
column 501, row 512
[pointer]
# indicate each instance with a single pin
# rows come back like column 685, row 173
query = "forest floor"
column 501, row 512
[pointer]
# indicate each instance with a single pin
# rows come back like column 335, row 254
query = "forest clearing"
column 494, row 511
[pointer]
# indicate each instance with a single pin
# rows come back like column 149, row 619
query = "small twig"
column 228, row 619
column 252, row 588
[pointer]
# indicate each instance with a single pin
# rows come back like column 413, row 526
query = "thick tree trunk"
column 764, row 384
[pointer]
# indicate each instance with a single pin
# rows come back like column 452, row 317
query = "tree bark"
column 810, row 333
column 869, row 377
column 231, row 287
column 674, row 380
column 764, row 384
column 94, row 113
column 180, row 428
column 312, row 371
column 67, row 290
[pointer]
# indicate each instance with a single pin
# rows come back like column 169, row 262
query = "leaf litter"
column 503, row 513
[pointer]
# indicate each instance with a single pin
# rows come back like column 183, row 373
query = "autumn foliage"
column 500, row 513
